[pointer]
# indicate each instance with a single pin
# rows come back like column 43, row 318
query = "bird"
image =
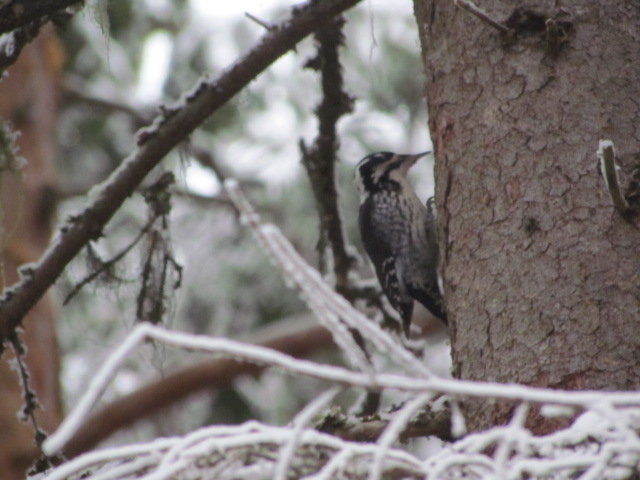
column 399, row 234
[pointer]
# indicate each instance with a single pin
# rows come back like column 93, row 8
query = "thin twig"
column 31, row 404
column 472, row 8
column 331, row 309
column 608, row 168
column 75, row 90
column 299, row 338
column 266, row 25
column 104, row 266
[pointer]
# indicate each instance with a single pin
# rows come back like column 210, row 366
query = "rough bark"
column 28, row 99
column 541, row 273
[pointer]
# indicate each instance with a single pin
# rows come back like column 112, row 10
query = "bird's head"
column 383, row 171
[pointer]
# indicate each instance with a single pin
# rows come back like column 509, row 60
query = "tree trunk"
column 28, row 100
column 541, row 274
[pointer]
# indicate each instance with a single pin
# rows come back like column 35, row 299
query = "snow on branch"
column 249, row 450
column 602, row 443
column 173, row 126
column 333, row 310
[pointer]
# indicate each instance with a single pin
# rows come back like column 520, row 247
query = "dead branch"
column 319, row 159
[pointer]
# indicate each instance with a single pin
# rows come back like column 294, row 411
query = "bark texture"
column 541, row 273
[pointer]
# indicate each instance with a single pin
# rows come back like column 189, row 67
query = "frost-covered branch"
column 333, row 310
column 607, row 404
column 295, row 338
column 171, row 127
column 250, row 450
column 601, row 443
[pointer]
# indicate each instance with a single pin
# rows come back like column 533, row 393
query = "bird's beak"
column 409, row 161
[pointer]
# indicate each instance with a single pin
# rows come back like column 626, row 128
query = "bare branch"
column 167, row 131
column 264, row 24
column 319, row 159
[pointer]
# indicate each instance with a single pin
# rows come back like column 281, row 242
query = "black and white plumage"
column 398, row 233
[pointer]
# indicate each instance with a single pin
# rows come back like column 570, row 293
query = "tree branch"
column 170, row 128
column 11, row 45
column 24, row 23
column 207, row 375
column 18, row 13
column 429, row 423
column 319, row 159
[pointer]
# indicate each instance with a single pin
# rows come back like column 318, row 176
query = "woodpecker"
column 398, row 233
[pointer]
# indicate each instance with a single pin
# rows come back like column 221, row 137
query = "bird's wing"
column 380, row 252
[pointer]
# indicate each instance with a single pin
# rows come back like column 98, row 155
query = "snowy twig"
column 472, row 8
column 296, row 338
column 600, row 442
column 300, row 423
column 297, row 271
column 218, row 449
column 336, row 375
column 251, row 450
column 173, row 126
column 331, row 308
column 104, row 266
column 393, row 431
column 511, row 434
column 608, row 168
